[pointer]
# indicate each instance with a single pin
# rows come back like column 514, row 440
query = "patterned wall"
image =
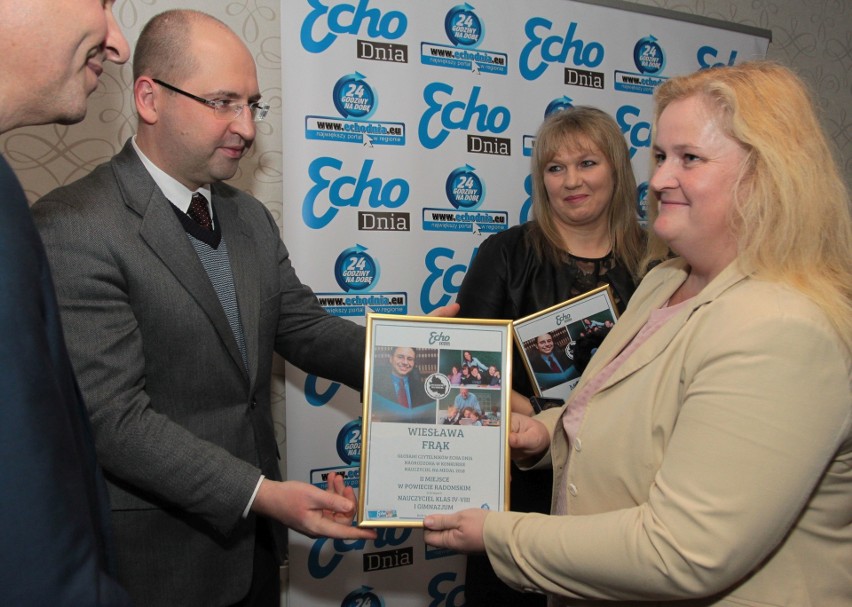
column 45, row 157
column 812, row 36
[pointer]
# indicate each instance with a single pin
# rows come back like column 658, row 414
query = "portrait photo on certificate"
column 557, row 343
column 435, row 420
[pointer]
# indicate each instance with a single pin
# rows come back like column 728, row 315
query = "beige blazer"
column 716, row 462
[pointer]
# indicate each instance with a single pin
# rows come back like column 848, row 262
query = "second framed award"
column 436, row 416
column 557, row 343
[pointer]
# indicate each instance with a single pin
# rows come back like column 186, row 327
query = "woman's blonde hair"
column 791, row 216
column 573, row 129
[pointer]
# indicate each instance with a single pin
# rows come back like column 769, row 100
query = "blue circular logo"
column 349, row 442
column 355, row 270
column 463, row 27
column 648, row 56
column 465, row 189
column 354, row 98
column 362, row 597
column 557, row 105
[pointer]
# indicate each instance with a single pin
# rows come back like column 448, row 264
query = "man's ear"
column 147, row 98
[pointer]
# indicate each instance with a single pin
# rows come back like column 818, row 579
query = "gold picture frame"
column 433, row 441
column 545, row 339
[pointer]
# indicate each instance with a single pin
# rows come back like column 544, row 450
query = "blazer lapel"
column 243, row 256
column 663, row 284
column 163, row 233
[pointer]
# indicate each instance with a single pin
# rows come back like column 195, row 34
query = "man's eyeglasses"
column 223, row 109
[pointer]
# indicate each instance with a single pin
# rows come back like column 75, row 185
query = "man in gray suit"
column 172, row 325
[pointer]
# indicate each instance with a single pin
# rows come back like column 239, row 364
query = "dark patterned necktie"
column 200, row 212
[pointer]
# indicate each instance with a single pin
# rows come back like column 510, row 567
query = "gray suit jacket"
column 182, row 430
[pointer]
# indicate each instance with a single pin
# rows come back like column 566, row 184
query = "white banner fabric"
column 407, row 133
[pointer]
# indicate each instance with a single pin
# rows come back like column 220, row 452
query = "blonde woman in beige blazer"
column 705, row 458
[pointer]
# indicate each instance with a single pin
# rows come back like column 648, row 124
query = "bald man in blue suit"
column 53, row 509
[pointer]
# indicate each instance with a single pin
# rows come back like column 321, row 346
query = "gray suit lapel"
column 243, row 255
column 164, row 234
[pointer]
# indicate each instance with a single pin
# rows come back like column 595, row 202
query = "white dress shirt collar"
column 176, row 193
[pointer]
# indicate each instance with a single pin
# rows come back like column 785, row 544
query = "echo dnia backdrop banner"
column 408, row 127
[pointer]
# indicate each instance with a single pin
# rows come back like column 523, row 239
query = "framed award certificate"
column 556, row 343
column 436, row 418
